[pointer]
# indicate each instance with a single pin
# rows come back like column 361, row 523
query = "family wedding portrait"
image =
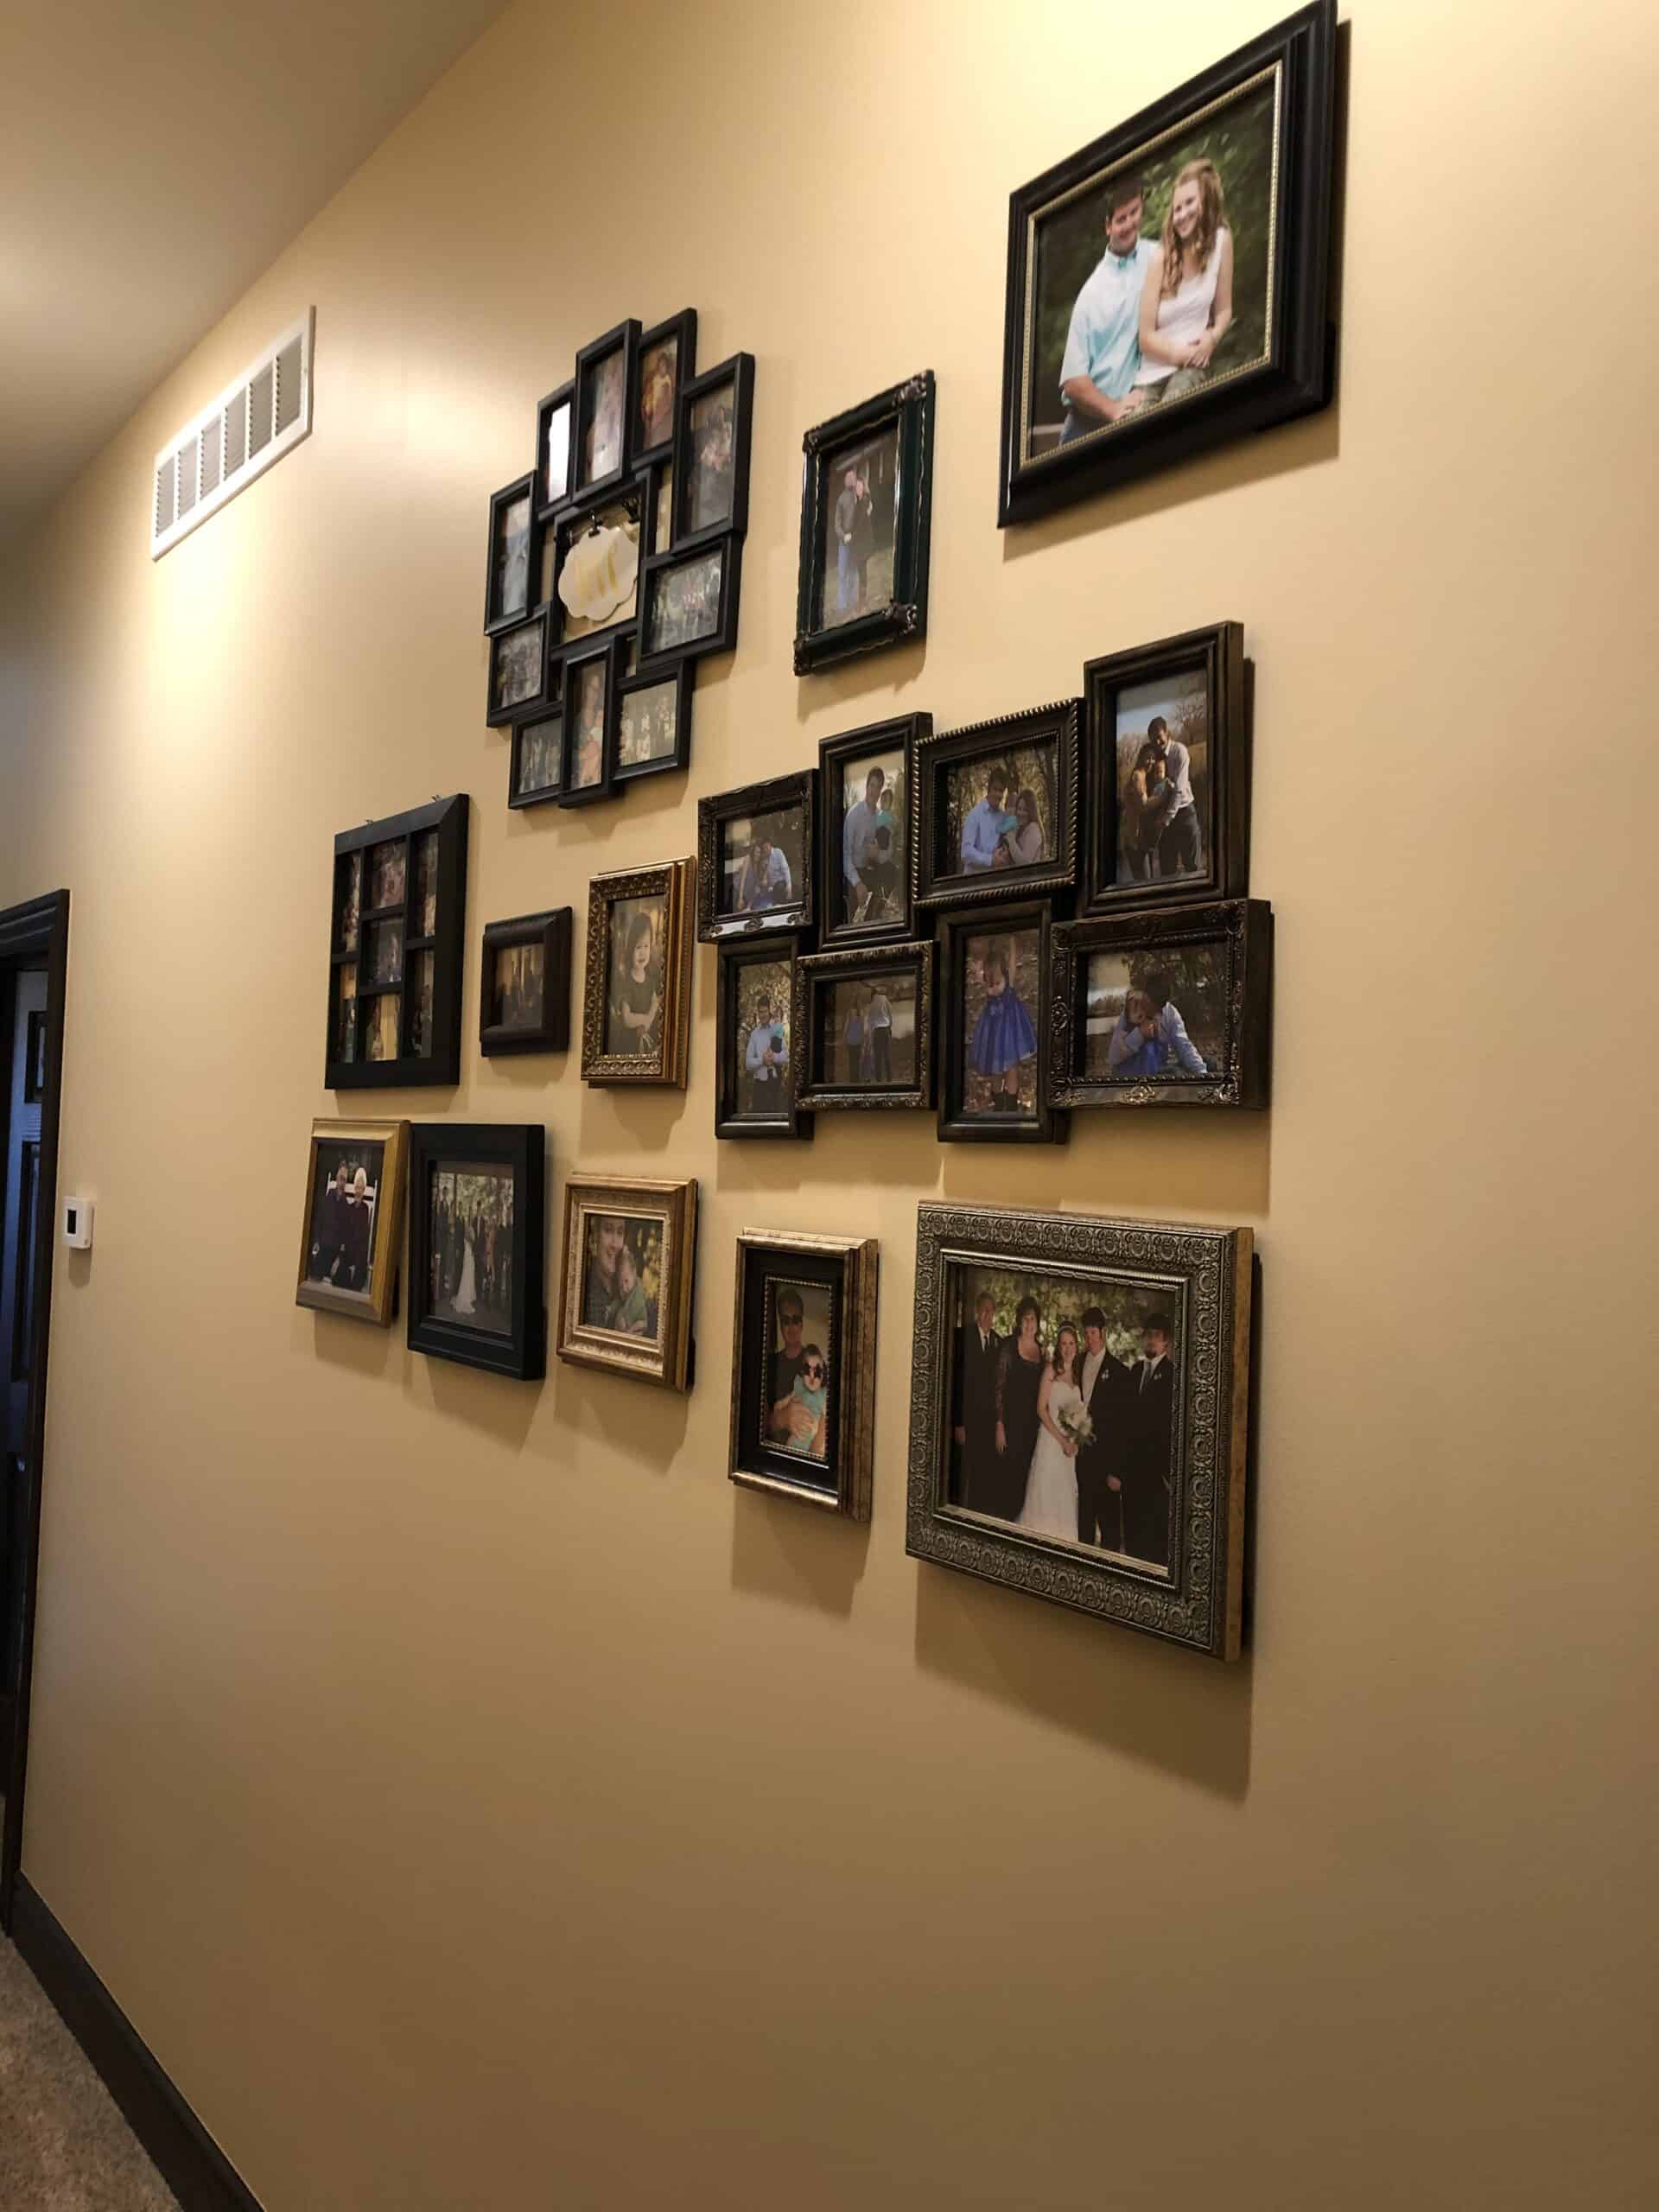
column 683, row 602
column 860, row 524
column 874, row 847
column 1157, row 1014
column 1062, row 1409
column 1163, row 769
column 470, row 1238
column 795, row 1407
column 622, row 1270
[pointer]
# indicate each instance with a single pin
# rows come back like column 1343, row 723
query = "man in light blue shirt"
column 1161, row 1024
column 987, row 825
column 858, row 833
column 765, row 1059
column 1102, row 346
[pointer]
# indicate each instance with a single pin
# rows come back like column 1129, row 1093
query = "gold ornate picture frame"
column 628, row 1275
column 352, row 1219
column 636, row 1015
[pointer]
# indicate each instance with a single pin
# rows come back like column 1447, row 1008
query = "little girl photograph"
column 1000, row 1063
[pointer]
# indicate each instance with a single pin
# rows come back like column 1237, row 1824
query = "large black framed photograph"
column 759, row 1028
column 1167, row 774
column 804, row 1368
column 654, row 722
column 668, row 360
column 351, row 1227
column 867, row 805
column 508, row 575
column 755, row 858
column 1168, row 285
column 1163, row 1007
column 690, row 601
column 992, row 1026
column 868, row 1026
column 475, row 1230
column 524, row 988
column 605, row 378
column 395, row 947
column 867, row 497
column 998, row 807
column 1079, row 1413
column 518, row 671
column 711, row 452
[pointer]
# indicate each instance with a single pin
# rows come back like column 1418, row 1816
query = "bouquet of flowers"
column 1078, row 1424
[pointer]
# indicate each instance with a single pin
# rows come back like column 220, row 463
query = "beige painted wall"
column 472, row 1798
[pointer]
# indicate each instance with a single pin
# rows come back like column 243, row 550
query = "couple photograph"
column 471, row 1232
column 861, row 523
column 1163, row 770
column 341, row 1249
column 1000, row 812
column 1063, row 1406
column 870, row 1031
column 760, row 863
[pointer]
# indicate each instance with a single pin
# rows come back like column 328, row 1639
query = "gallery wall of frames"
column 1018, row 923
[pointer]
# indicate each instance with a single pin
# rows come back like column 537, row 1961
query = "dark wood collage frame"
column 644, row 472
column 778, row 795
column 909, row 407
column 551, row 930
column 522, row 1147
column 817, row 1085
column 448, row 818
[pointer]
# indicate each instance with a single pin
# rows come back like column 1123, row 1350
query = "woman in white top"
column 1186, row 302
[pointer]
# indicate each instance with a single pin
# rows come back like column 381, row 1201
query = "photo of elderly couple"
column 1062, row 1407
column 342, row 1249
column 470, row 1233
column 622, row 1274
column 1178, row 295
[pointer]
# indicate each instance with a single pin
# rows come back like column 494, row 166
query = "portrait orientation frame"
column 669, row 1361
column 910, row 408
column 551, row 930
column 836, row 754
column 1216, row 653
column 680, row 676
column 520, row 711
column 738, row 370
column 816, row 1088
column 496, row 618
column 1294, row 374
column 1242, row 930
column 942, row 751
column 448, row 818
column 730, row 1119
column 778, row 795
column 379, row 1302
column 521, row 1147
column 671, row 882
column 563, row 395
column 722, row 638
column 953, row 929
column 848, row 1267
column 624, row 336
column 606, row 649
column 1204, row 1276
column 683, row 327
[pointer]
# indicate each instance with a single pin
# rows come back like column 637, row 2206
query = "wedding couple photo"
column 1062, row 1409
column 471, row 1241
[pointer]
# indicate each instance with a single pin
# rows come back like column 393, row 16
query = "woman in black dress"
column 637, row 995
column 1018, row 1379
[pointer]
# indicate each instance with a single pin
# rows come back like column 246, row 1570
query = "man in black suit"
column 1142, row 1457
column 979, row 1352
column 1105, row 1385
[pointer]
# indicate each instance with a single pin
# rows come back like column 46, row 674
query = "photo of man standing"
column 1103, row 344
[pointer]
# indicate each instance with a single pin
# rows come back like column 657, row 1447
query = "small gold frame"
column 851, row 1466
column 374, row 1304
column 673, row 1206
column 671, row 882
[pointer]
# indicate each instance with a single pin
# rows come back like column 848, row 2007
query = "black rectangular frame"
column 820, row 970
column 730, row 1120
column 738, row 370
column 551, row 930
column 604, row 647
column 721, row 639
column 847, row 1269
column 519, row 710
column 567, row 526
column 521, row 487
column 942, row 750
column 910, row 406
column 563, row 395
column 521, row 1146
column 776, row 795
column 907, row 732
column 953, row 928
column 680, row 675
column 684, row 327
column 626, row 335
column 544, row 795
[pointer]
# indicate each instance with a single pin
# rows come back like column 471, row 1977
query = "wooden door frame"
column 33, row 935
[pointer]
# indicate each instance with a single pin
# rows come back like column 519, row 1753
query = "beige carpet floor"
column 64, row 2147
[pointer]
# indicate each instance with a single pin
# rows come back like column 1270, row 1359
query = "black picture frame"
column 732, row 1117
column 656, row 480
column 520, row 794
column 956, row 931
column 1293, row 373
column 794, row 793
column 678, row 677
column 720, row 636
column 604, row 651
column 738, row 370
column 1233, row 938
column 551, row 931
column 623, row 337
column 521, row 1350
column 908, row 407
column 1203, row 1281
column 549, row 502
column 428, row 1040
column 576, row 521
column 824, row 1086
column 682, row 328
column 1213, row 658
column 500, row 709
column 498, row 615
column 942, row 752
column 843, row 1271
column 835, row 756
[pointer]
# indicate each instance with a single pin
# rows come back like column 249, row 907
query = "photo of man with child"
column 623, row 1275
column 795, row 1415
column 873, row 856
column 1063, row 1421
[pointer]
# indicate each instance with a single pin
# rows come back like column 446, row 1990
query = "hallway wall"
column 472, row 1798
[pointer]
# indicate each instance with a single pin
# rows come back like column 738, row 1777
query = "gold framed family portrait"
column 629, row 1266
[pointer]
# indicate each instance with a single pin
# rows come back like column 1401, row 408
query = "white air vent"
column 254, row 422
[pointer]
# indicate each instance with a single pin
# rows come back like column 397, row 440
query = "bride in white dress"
column 467, row 1289
column 1051, row 1506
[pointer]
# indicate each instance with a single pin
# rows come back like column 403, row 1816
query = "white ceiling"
column 156, row 157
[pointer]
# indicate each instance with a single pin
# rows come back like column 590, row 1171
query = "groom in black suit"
column 1148, row 1404
column 1105, row 1386
column 979, row 1354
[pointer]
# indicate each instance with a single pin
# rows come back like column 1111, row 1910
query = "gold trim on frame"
column 375, row 1303
column 674, row 1206
column 673, row 881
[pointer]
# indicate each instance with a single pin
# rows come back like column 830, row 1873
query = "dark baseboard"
column 187, row 2157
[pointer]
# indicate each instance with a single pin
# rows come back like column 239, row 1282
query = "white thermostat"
column 77, row 1223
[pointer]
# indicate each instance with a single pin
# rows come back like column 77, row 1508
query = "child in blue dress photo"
column 1005, row 1036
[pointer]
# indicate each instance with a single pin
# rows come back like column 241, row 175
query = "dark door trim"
column 35, row 932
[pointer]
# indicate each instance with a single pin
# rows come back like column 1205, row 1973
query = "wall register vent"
column 264, row 414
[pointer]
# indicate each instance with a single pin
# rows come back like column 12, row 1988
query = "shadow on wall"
column 1123, row 1691
column 796, row 1552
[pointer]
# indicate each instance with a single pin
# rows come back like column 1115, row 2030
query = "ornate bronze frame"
column 673, row 880
column 815, row 1090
